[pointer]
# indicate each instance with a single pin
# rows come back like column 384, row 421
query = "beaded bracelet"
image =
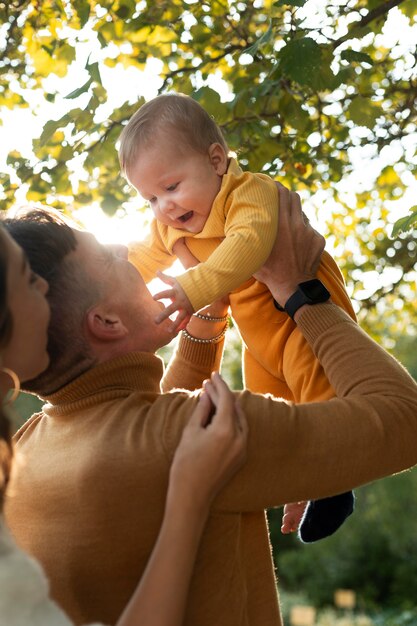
column 187, row 335
column 209, row 318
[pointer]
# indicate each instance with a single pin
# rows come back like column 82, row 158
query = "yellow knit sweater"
column 235, row 242
column 88, row 496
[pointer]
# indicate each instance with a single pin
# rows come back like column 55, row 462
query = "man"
column 89, row 499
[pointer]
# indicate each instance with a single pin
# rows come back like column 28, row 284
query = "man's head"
column 100, row 307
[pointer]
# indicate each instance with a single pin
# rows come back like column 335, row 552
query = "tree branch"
column 194, row 68
column 379, row 11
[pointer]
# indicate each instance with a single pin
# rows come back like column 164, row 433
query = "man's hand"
column 295, row 256
column 179, row 300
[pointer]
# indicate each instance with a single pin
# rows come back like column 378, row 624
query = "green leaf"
column 405, row 223
column 102, row 41
column 126, row 9
column 80, row 90
column 353, row 55
column 65, row 52
column 304, row 61
column 253, row 49
column 210, row 100
column 110, row 204
column 94, row 72
column 362, row 112
column 290, row 3
column 84, row 198
column 292, row 112
column 50, row 128
column 83, row 11
column 408, row 8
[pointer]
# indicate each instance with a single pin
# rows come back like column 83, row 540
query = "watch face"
column 314, row 290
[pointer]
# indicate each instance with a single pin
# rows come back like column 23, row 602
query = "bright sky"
column 20, row 126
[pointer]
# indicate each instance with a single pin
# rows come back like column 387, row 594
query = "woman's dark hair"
column 5, row 316
column 48, row 240
column 5, row 333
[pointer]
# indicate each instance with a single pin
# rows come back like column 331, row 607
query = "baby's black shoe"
column 323, row 517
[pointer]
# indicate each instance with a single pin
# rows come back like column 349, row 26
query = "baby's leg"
column 318, row 518
column 323, row 517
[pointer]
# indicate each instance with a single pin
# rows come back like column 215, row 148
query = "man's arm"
column 193, row 361
column 311, row 451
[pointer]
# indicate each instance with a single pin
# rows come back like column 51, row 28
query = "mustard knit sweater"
column 87, row 497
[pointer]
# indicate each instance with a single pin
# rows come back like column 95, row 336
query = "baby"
column 176, row 157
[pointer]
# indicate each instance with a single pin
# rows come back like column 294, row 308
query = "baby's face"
column 179, row 186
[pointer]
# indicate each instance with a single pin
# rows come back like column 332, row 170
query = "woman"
column 210, row 452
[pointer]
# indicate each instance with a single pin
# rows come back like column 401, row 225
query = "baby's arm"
column 250, row 230
column 150, row 255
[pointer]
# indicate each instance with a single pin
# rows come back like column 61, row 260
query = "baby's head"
column 171, row 116
column 174, row 154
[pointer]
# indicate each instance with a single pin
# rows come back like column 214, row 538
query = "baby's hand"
column 180, row 303
column 293, row 514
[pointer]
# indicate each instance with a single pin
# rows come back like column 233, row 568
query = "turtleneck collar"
column 136, row 371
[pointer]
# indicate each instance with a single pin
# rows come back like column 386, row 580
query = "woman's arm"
column 211, row 450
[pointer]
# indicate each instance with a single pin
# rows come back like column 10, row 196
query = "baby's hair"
column 176, row 113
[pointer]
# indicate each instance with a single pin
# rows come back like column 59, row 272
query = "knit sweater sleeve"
column 310, row 451
column 151, row 254
column 191, row 364
column 250, row 231
column 303, row 373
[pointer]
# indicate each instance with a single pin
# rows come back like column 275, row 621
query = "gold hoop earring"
column 16, row 384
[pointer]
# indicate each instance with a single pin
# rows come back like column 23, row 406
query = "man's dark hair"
column 48, row 241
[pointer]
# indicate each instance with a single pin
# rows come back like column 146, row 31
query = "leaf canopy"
column 299, row 88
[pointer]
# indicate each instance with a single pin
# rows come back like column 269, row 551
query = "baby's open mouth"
column 187, row 216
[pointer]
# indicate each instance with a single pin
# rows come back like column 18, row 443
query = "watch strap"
column 295, row 302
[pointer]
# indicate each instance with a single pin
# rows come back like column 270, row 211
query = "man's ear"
column 104, row 325
column 218, row 158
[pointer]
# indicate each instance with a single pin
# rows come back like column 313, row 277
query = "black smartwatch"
column 309, row 292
